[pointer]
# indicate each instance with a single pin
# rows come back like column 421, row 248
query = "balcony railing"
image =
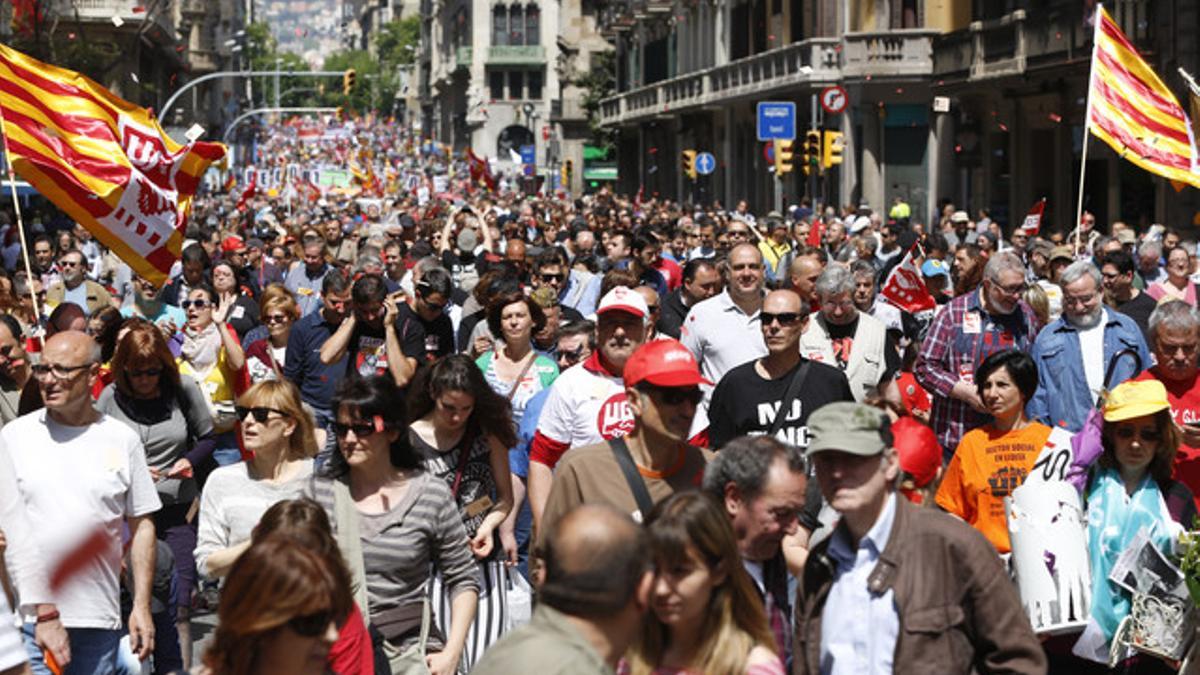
column 516, row 55
column 897, row 53
column 1009, row 46
column 103, row 11
column 462, row 57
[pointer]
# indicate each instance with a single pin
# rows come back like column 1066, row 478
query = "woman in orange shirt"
column 993, row 460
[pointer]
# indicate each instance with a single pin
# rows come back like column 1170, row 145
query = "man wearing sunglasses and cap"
column 897, row 587
column 651, row 462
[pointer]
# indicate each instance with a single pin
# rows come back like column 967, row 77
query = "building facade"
column 497, row 77
column 975, row 102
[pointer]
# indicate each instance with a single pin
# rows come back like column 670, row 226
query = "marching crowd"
column 413, row 425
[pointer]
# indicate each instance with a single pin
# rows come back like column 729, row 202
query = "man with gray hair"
column 1073, row 354
column 857, row 343
column 966, row 331
column 1175, row 342
column 762, row 485
column 1149, row 263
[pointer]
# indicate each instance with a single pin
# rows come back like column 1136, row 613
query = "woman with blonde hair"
column 277, row 434
column 707, row 616
column 265, row 357
column 279, row 611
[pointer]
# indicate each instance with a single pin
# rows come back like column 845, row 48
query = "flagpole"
column 12, row 184
column 1087, row 124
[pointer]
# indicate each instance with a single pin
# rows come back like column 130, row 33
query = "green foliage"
column 599, row 83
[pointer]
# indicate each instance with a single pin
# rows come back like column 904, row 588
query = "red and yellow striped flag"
column 102, row 160
column 1134, row 112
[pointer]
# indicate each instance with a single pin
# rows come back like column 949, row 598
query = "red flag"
column 248, row 192
column 905, row 288
column 480, row 171
column 1033, row 219
column 637, row 201
column 815, row 233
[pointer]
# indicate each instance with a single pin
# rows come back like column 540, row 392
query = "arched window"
column 512, row 138
column 500, row 25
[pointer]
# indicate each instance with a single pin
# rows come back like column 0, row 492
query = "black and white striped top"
column 402, row 547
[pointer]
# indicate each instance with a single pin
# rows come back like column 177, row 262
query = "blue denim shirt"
column 1063, row 398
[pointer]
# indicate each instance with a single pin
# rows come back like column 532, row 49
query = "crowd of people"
column 410, row 424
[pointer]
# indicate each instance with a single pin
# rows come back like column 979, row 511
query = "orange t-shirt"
column 986, row 467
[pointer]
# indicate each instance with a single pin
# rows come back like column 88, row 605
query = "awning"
column 592, row 152
column 600, row 173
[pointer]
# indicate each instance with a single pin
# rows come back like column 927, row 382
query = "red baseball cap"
column 232, row 243
column 664, row 363
column 918, row 449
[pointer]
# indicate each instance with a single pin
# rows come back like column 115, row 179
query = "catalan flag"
column 106, row 162
column 1134, row 112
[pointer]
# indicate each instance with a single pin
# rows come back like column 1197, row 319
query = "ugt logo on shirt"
column 615, row 418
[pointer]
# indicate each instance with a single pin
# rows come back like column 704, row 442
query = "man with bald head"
column 806, row 269
column 595, row 585
column 80, row 475
column 724, row 331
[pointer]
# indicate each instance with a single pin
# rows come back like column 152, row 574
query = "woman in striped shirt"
column 394, row 522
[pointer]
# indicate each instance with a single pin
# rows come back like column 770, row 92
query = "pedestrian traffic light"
column 689, row 164
column 348, row 81
column 812, row 151
column 834, row 144
column 783, row 158
column 568, row 168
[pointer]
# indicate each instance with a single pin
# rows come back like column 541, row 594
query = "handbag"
column 396, row 623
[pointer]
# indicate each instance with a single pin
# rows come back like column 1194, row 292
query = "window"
column 496, row 85
column 535, row 85
column 533, row 33
column 516, row 80
column 516, row 24
column 499, row 25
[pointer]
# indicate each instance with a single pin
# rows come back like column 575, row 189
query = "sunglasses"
column 573, row 356
column 360, row 429
column 198, row 304
column 784, row 318
column 277, row 318
column 311, row 625
column 146, row 372
column 677, row 395
column 551, row 277
column 1146, row 435
column 61, row 373
column 436, row 307
column 261, row 413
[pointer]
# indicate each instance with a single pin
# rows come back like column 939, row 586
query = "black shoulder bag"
column 793, row 390
column 636, row 485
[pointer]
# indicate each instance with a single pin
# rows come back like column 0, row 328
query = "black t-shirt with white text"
column 745, row 402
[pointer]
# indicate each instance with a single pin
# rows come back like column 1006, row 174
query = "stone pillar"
column 873, row 186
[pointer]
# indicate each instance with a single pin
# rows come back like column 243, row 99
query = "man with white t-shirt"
column 587, row 403
column 80, row 474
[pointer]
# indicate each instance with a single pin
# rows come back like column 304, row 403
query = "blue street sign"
column 705, row 163
column 528, row 154
column 776, row 121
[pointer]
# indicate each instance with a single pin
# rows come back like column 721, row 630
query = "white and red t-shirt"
column 586, row 405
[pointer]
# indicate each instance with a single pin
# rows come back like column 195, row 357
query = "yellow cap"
column 1135, row 399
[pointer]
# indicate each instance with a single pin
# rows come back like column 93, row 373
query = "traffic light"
column 348, row 81
column 812, row 151
column 783, row 158
column 340, row 113
column 567, row 169
column 689, row 164
column 834, row 144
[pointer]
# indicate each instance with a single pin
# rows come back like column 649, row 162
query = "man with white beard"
column 1074, row 352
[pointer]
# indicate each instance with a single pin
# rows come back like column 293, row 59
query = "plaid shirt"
column 951, row 353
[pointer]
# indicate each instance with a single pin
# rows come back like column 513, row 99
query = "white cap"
column 622, row 299
column 859, row 224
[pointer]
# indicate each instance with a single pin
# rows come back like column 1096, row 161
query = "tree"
column 599, row 83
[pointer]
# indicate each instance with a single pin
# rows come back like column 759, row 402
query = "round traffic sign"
column 834, row 99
